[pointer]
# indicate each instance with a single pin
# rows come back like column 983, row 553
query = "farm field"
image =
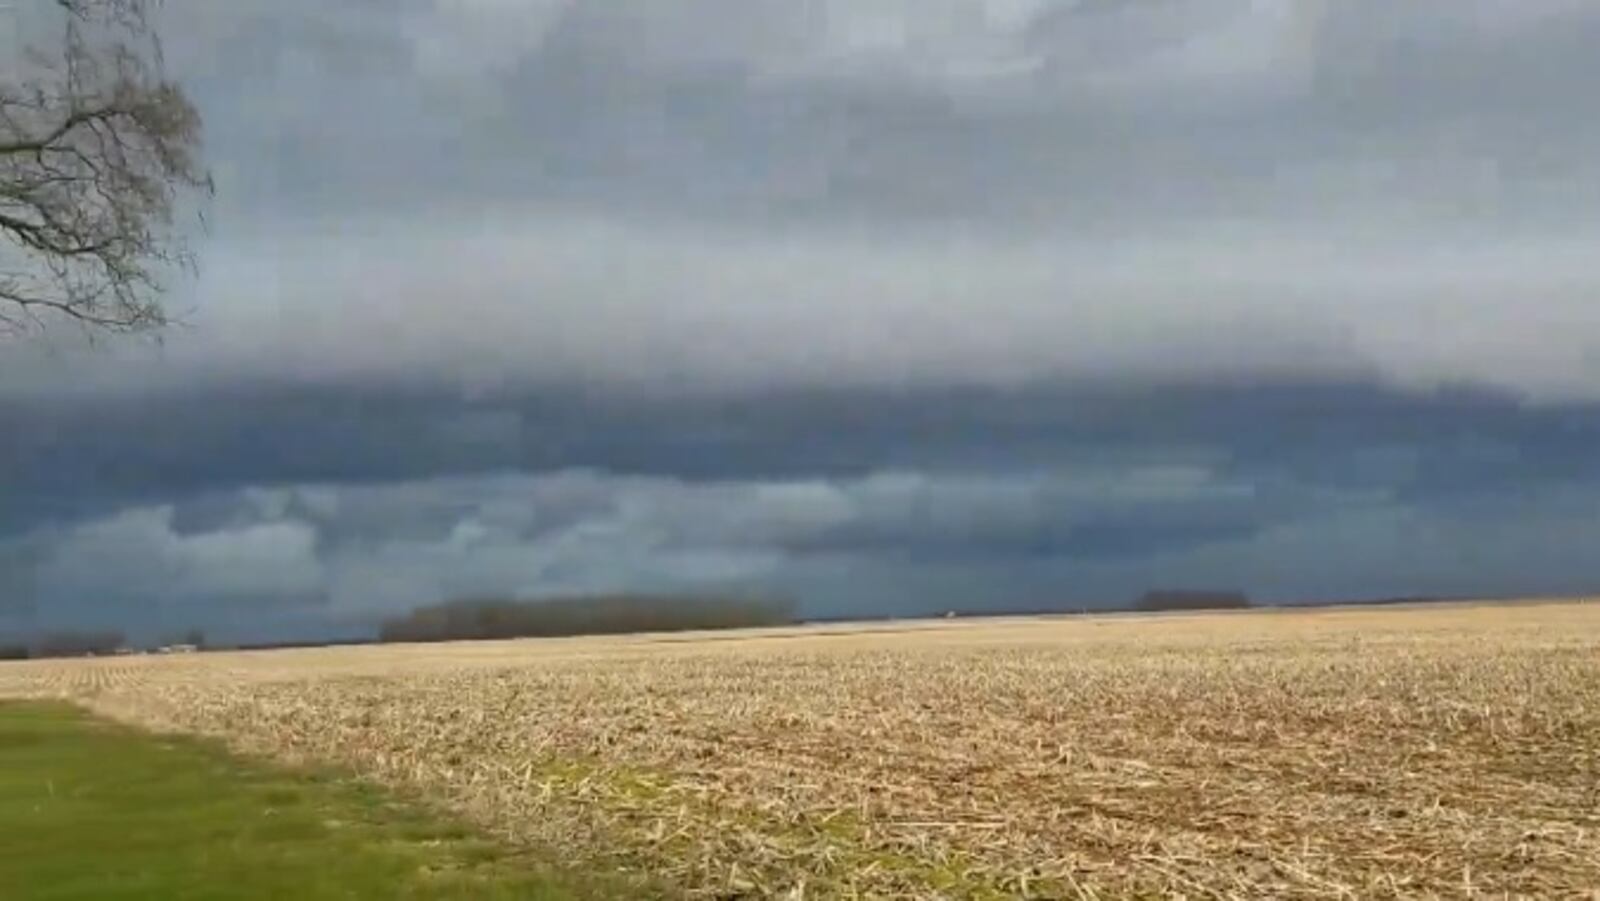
column 1445, row 751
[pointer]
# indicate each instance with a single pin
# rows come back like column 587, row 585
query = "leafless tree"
column 99, row 152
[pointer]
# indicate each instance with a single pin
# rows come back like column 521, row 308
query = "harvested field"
column 1448, row 751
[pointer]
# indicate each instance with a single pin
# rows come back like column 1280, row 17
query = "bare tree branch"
column 97, row 150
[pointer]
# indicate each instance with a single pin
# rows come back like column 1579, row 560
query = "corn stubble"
column 1443, row 752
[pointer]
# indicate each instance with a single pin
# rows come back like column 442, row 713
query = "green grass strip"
column 93, row 810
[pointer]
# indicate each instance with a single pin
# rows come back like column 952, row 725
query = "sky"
column 885, row 306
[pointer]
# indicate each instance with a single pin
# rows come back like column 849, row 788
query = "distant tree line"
column 1188, row 599
column 64, row 644
column 286, row 644
column 85, row 643
column 483, row 619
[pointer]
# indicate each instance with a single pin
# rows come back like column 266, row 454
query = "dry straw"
column 1441, row 752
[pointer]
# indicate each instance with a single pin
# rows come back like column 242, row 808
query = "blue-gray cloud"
column 342, row 506
column 891, row 542
column 66, row 457
column 882, row 302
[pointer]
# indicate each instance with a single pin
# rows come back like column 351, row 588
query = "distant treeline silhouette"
column 64, row 644
column 1188, row 599
column 287, row 644
column 484, row 619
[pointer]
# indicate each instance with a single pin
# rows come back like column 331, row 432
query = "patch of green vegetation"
column 91, row 810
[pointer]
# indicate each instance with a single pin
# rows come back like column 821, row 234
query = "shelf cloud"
column 886, row 304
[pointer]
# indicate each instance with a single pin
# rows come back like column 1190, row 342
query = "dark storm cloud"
column 277, row 510
column 888, row 304
column 90, row 454
column 896, row 540
column 910, row 480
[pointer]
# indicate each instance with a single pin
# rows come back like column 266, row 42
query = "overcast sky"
column 886, row 305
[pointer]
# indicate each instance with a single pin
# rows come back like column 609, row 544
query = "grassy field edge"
column 96, row 809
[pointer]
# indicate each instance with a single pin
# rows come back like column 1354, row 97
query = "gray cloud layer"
column 320, row 508
column 892, row 542
column 889, row 303
column 751, row 194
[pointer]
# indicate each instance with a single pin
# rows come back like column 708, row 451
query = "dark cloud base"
column 77, row 457
column 286, row 509
column 712, row 202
